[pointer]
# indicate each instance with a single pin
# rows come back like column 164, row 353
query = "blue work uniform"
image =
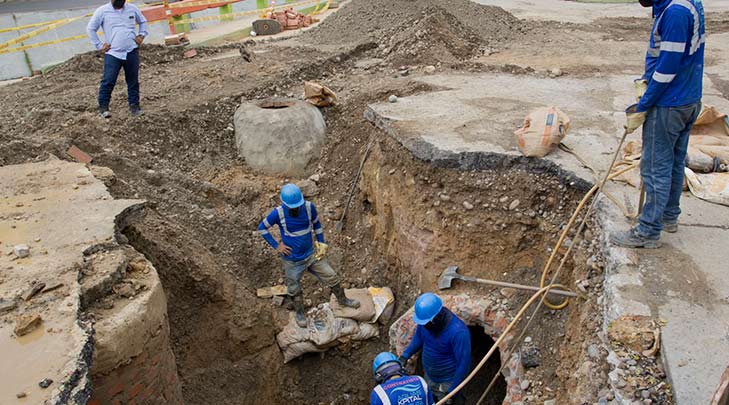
column 674, row 69
column 296, row 232
column 405, row 390
column 447, row 356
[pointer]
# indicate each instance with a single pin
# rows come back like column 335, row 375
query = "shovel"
column 451, row 273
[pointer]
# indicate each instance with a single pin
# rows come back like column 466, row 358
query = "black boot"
column 342, row 299
column 299, row 315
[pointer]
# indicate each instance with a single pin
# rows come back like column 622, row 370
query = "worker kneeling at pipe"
column 446, row 347
column 395, row 386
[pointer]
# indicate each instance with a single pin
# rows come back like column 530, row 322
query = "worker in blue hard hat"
column 446, row 347
column 395, row 386
column 298, row 223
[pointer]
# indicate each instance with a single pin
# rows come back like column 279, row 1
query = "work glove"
column 634, row 119
column 320, row 250
column 641, row 85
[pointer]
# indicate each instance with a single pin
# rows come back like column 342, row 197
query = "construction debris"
column 319, row 95
column 27, row 323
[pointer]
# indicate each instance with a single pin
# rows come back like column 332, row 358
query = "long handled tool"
column 338, row 227
column 451, row 273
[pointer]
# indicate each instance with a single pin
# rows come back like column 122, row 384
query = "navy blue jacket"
column 674, row 63
column 446, row 357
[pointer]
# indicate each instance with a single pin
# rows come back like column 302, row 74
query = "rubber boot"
column 299, row 315
column 342, row 299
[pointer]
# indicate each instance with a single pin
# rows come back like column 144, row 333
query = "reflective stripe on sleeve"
column 662, row 77
column 667, row 46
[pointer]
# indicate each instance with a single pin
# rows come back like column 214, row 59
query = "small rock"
column 513, row 205
column 508, row 293
column 392, row 98
column 315, row 178
column 34, row 289
column 430, row 69
column 593, row 351
column 21, row 395
column 308, row 188
column 550, row 402
column 525, row 385
column 444, row 197
column 7, row 306
column 555, row 72
column 467, row 205
column 504, row 199
column 530, row 357
column 124, row 290
column 45, row 383
column 27, row 323
column 21, row 251
column 645, row 394
column 528, row 339
column 138, row 264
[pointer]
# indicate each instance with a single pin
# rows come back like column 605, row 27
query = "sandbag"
column 712, row 187
column 366, row 310
column 543, row 129
column 366, row 331
column 384, row 301
column 319, row 95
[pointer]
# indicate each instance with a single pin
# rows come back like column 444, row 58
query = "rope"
column 544, row 289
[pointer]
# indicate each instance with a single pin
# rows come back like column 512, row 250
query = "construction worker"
column 666, row 111
column 121, row 50
column 395, row 386
column 446, row 345
column 298, row 222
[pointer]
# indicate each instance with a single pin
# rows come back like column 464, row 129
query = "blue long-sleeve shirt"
column 446, row 357
column 296, row 232
column 409, row 389
column 120, row 28
column 674, row 64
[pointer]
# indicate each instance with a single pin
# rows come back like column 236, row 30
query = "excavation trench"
column 408, row 222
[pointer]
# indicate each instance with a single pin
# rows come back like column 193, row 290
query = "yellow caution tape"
column 39, row 44
column 39, row 31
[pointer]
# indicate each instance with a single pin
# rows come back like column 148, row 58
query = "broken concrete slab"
column 67, row 211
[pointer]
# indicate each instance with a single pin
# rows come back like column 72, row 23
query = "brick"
column 115, row 389
column 79, row 155
column 135, row 390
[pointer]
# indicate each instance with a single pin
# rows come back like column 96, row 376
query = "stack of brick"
column 290, row 19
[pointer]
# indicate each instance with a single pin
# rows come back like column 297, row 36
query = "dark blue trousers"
column 665, row 144
column 112, row 66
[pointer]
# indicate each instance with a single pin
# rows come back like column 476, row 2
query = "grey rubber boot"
column 342, row 299
column 299, row 315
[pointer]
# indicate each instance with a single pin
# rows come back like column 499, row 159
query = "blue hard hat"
column 382, row 359
column 291, row 196
column 427, row 307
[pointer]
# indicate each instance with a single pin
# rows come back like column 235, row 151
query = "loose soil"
column 205, row 203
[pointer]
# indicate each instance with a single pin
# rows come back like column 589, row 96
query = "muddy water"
column 32, row 358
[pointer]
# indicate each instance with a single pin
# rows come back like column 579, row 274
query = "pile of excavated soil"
column 418, row 31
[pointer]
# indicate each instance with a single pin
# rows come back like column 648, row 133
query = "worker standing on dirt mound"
column 118, row 21
column 667, row 110
column 446, row 345
column 395, row 386
column 298, row 221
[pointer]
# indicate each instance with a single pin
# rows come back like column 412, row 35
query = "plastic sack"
column 543, row 129
column 712, row 187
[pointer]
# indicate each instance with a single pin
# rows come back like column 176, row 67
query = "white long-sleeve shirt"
column 120, row 28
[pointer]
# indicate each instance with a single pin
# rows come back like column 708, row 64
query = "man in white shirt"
column 121, row 48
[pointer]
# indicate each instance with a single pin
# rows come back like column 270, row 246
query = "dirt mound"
column 421, row 31
column 94, row 61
